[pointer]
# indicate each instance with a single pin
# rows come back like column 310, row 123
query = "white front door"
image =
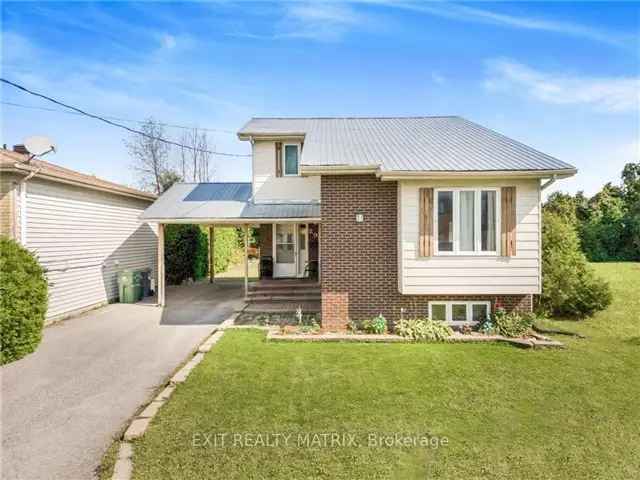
column 284, row 249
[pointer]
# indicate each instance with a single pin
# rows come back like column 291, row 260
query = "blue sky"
column 561, row 77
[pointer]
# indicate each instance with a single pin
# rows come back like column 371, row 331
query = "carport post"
column 160, row 267
column 246, row 260
column 211, row 256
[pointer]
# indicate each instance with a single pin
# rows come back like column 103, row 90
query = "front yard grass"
column 507, row 413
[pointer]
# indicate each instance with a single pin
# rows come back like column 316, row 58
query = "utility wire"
column 119, row 125
column 69, row 112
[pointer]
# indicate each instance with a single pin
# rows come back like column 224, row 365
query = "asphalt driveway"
column 63, row 404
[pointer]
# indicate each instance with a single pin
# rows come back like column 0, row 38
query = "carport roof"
column 221, row 202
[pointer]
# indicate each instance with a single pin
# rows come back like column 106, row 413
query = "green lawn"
column 506, row 412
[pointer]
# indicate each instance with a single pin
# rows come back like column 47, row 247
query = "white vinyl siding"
column 476, row 273
column 82, row 237
column 288, row 188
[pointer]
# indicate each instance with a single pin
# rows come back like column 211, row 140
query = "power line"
column 119, row 125
column 169, row 125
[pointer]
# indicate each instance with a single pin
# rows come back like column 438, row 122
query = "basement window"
column 459, row 312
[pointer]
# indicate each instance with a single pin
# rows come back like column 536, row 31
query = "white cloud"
column 319, row 21
column 466, row 13
column 605, row 94
column 16, row 48
column 437, row 78
column 168, row 41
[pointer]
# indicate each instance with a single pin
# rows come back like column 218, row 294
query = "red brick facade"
column 359, row 267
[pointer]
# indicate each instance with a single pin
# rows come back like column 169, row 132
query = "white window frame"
column 477, row 221
column 284, row 160
column 469, row 314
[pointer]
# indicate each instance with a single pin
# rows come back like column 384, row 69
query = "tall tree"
column 150, row 155
column 195, row 161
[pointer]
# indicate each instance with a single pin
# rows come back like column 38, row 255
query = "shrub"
column 181, row 250
column 487, row 326
column 512, row 324
column 569, row 284
column 23, row 301
column 187, row 251
column 226, row 248
column 376, row 325
column 423, row 329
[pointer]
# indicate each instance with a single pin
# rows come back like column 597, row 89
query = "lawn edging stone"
column 273, row 334
column 123, row 469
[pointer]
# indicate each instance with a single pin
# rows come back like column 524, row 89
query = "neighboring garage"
column 82, row 229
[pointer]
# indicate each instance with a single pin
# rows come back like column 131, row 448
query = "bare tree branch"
column 150, row 156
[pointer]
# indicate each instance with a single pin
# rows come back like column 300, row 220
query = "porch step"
column 283, row 298
column 284, row 291
column 282, row 285
column 283, row 307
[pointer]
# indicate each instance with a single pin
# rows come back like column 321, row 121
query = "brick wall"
column 359, row 260
column 8, row 212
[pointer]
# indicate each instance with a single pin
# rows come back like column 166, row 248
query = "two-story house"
column 433, row 216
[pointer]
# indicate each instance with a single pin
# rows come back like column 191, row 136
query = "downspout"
column 23, row 204
column 549, row 182
column 252, row 141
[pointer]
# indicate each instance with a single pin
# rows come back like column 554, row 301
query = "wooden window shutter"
column 425, row 209
column 508, row 219
column 278, row 159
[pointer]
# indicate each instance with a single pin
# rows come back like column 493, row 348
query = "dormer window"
column 291, row 159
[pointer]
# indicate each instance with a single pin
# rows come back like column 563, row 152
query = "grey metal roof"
column 222, row 201
column 405, row 144
column 281, row 210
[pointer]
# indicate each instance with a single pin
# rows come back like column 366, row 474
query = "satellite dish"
column 39, row 145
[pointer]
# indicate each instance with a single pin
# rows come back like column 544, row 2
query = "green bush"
column 181, row 252
column 226, row 248
column 376, row 325
column 423, row 329
column 569, row 285
column 23, row 301
column 187, row 251
column 512, row 324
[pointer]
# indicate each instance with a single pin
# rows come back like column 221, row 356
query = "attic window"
column 291, row 156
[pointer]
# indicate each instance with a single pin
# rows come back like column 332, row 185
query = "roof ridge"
column 390, row 117
column 45, row 167
column 212, row 183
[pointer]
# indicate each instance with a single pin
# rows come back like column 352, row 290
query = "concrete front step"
column 283, row 307
column 282, row 286
column 284, row 291
column 283, row 298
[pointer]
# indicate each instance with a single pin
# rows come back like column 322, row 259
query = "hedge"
column 23, row 301
column 186, row 251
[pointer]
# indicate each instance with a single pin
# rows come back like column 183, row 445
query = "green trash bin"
column 129, row 286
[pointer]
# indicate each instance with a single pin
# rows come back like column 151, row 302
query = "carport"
column 219, row 205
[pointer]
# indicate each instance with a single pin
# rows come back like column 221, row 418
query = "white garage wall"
column 82, row 237
column 466, row 275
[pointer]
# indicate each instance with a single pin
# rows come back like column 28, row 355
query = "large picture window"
column 466, row 221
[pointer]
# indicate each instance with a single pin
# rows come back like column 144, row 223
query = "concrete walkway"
column 63, row 404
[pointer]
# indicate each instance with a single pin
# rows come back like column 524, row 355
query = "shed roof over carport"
column 222, row 203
